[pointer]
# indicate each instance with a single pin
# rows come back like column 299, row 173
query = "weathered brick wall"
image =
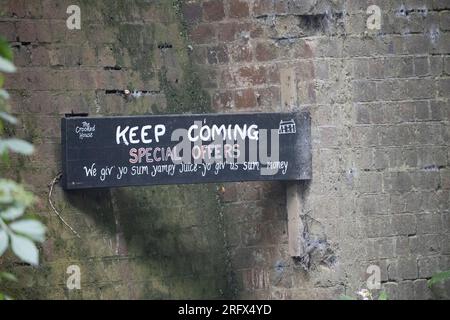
column 379, row 103
column 163, row 242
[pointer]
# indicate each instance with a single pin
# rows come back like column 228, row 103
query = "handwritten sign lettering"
column 175, row 149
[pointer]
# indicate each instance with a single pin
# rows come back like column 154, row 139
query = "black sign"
column 176, row 149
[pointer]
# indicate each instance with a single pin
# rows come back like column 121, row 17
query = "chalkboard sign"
column 176, row 149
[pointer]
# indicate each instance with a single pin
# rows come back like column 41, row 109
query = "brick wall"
column 162, row 242
column 379, row 104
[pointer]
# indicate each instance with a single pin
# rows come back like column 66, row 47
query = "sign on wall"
column 177, row 149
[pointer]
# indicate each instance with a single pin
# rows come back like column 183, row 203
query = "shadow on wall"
column 166, row 237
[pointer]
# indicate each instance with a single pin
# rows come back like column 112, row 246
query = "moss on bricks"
column 164, row 241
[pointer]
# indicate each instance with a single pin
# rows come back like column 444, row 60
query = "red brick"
column 86, row 80
column 56, row 56
column 47, row 126
column 265, row 51
column 19, row 101
column 223, row 100
column 238, row 9
column 33, row 9
column 48, row 249
column 72, row 56
column 113, row 104
column 263, row 7
column 79, row 38
column 147, row 14
column 53, row 80
column 42, row 102
column 97, row 33
column 192, row 12
column 106, row 57
column 255, row 279
column 307, row 50
column 251, row 75
column 305, row 70
column 88, row 56
column 241, row 52
column 218, row 54
column 301, row 49
column 256, row 32
column 108, row 80
column 231, row 31
column 39, row 56
column 281, row 6
column 268, row 97
column 52, row 9
column 272, row 74
column 226, row 79
column 58, row 30
column 8, row 30
column 310, row 92
column 58, row 104
column 65, row 102
column 43, row 31
column 14, row 81
column 22, row 56
column 26, row 31
column 213, row 10
column 203, row 33
column 16, row 8
column 245, row 99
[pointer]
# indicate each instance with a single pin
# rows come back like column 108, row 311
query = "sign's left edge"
column 64, row 153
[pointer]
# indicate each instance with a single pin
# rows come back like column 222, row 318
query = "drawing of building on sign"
column 287, row 127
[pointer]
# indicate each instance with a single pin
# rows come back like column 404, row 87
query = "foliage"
column 383, row 296
column 16, row 230
column 439, row 277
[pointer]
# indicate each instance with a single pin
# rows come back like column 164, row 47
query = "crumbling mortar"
column 316, row 249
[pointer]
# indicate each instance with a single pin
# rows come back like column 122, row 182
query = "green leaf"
column 5, row 158
column 6, row 66
column 17, row 145
column 25, row 249
column 5, row 50
column 6, row 297
column 8, row 276
column 3, row 241
column 11, row 191
column 33, row 229
column 7, row 188
column 4, row 94
column 383, row 296
column 7, row 117
column 439, row 277
column 3, row 147
column 5, row 195
column 12, row 213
